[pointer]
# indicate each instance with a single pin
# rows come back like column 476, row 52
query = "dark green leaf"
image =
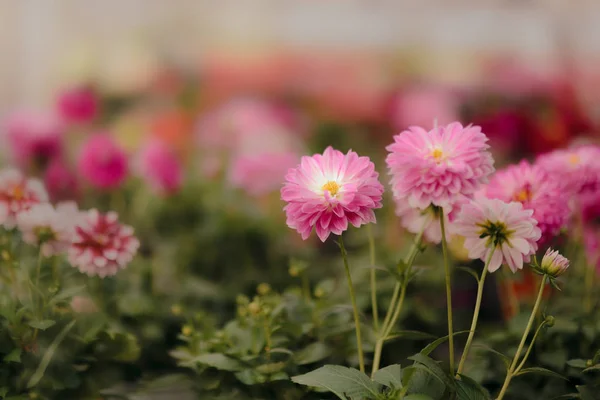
column 420, row 381
column 312, row 353
column 14, row 356
column 468, row 389
column 42, row 325
column 504, row 358
column 577, row 363
column 541, row 371
column 341, row 381
column 41, row 369
column 433, row 345
column 593, row 368
column 416, row 396
column 469, row 271
column 216, row 360
column 433, row 367
column 66, row 294
column 587, row 392
column 390, row 376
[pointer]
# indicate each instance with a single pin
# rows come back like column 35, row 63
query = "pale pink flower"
column 422, row 105
column 414, row 220
column 553, row 263
column 78, row 105
column 160, row 167
column 262, row 173
column 504, row 228
column 17, row 194
column 50, row 228
column 102, row 162
column 101, row 245
column 439, row 167
column 531, row 186
column 33, row 138
column 327, row 191
column 60, row 181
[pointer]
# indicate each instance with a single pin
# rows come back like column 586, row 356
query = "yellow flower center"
column 18, row 192
column 332, row 187
column 574, row 159
column 522, row 195
column 437, row 154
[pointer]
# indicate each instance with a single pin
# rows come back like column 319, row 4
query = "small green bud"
column 187, row 330
column 549, row 321
column 263, row 289
column 254, row 308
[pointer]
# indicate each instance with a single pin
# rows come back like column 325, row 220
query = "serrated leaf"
column 42, row 325
column 14, row 356
column 468, row 389
column 218, row 361
column 577, row 363
column 434, row 368
column 341, row 381
column 469, row 271
column 433, row 345
column 390, row 376
column 41, row 369
column 541, row 371
column 312, row 353
column 420, row 381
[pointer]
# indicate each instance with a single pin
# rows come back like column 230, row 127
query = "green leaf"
column 42, row 325
column 390, row 376
column 587, row 392
column 341, row 381
column 270, row 368
column 14, row 356
column 66, row 294
column 417, row 396
column 3, row 391
column 468, row 389
column 577, row 363
column 593, row 368
column 433, row 345
column 433, row 367
column 541, row 371
column 218, row 361
column 408, row 334
column 420, row 381
column 312, row 353
column 504, row 358
column 41, row 369
column 469, row 271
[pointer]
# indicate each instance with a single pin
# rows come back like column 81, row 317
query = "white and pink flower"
column 17, row 194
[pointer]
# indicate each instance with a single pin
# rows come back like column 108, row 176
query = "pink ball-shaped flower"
column 32, row 139
column 18, row 194
column 101, row 245
column 261, row 174
column 78, row 105
column 102, row 162
column 49, row 227
column 438, row 167
column 504, row 228
column 327, row 191
column 531, row 186
column 60, row 181
column 160, row 167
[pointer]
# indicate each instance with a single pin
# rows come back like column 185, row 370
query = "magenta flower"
column 101, row 245
column 102, row 162
column 327, row 191
column 160, row 167
column 262, row 173
column 439, row 167
column 32, row 139
column 60, row 181
column 18, row 194
column 506, row 228
column 531, row 186
column 591, row 241
column 78, row 105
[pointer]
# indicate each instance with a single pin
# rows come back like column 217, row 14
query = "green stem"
column 448, row 291
column 480, row 284
column 399, row 290
column 361, row 359
column 530, row 347
column 589, row 286
column 511, row 371
column 373, row 278
column 37, row 280
column 305, row 286
column 267, row 337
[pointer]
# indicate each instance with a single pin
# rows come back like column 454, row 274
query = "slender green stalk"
column 373, row 278
column 38, row 268
column 361, row 358
column 511, row 371
column 399, row 290
column 537, row 332
column 448, row 291
column 480, row 283
column 589, row 286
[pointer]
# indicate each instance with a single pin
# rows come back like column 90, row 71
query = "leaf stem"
column 373, row 279
column 448, row 291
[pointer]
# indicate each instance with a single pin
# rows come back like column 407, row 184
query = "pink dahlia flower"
column 506, row 228
column 414, row 220
column 78, row 105
column 50, row 228
column 102, row 162
column 60, row 181
column 18, row 194
column 438, row 167
column 262, row 173
column 531, row 186
column 101, row 245
column 326, row 191
column 160, row 167
column 32, row 139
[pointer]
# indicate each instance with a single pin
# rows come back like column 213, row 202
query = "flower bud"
column 187, row 330
column 263, row 289
column 254, row 307
column 549, row 321
column 553, row 264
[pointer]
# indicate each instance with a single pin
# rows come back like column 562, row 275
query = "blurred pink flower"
column 102, row 162
column 531, row 186
column 32, row 139
column 60, row 181
column 263, row 173
column 439, row 167
column 78, row 105
column 422, row 105
column 414, row 220
column 18, row 194
column 591, row 241
column 504, row 228
column 160, row 167
column 50, row 228
column 101, row 245
column 327, row 191
column 83, row 305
